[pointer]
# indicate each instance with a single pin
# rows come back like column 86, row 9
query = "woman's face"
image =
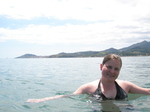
column 111, row 69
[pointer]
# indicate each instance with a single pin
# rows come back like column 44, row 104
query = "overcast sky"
column 46, row 27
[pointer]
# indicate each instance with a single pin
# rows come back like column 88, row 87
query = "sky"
column 46, row 27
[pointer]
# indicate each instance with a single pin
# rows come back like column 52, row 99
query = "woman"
column 107, row 87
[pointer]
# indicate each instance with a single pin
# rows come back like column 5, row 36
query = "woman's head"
column 112, row 56
column 110, row 67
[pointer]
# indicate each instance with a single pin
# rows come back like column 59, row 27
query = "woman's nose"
column 112, row 71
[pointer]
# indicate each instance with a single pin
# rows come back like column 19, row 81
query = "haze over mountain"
column 138, row 49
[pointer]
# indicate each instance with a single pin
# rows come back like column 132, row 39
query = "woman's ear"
column 101, row 66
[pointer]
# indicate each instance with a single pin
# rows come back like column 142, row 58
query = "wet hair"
column 112, row 56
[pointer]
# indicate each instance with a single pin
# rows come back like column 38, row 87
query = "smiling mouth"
column 110, row 75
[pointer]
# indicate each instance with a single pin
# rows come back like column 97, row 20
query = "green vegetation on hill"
column 138, row 49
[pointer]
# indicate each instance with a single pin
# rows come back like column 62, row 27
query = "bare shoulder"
column 126, row 85
column 93, row 83
column 123, row 82
column 130, row 87
column 88, row 88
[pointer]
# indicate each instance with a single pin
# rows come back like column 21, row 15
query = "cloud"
column 106, row 21
column 95, row 33
column 87, row 10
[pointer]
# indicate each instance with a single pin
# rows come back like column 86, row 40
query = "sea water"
column 22, row 79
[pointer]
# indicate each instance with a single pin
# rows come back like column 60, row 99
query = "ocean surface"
column 22, row 79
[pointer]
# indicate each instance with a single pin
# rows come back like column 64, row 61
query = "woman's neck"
column 107, row 82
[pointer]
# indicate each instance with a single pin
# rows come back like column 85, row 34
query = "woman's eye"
column 109, row 67
column 117, row 69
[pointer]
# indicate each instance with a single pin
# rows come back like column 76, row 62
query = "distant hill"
column 111, row 50
column 28, row 56
column 31, row 56
column 142, row 48
column 138, row 49
column 143, row 45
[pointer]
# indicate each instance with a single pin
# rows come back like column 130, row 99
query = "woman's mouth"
column 110, row 75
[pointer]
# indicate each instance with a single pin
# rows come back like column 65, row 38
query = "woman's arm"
column 137, row 90
column 88, row 88
column 80, row 90
column 47, row 98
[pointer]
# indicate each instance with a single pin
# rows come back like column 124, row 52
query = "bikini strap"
column 99, row 84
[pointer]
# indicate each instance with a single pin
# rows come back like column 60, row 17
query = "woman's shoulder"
column 91, row 84
column 94, row 82
column 90, row 87
column 123, row 82
column 126, row 85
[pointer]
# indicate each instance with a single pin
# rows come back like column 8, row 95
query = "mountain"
column 76, row 54
column 143, row 45
column 28, row 56
column 142, row 48
column 138, row 49
column 31, row 56
column 113, row 50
